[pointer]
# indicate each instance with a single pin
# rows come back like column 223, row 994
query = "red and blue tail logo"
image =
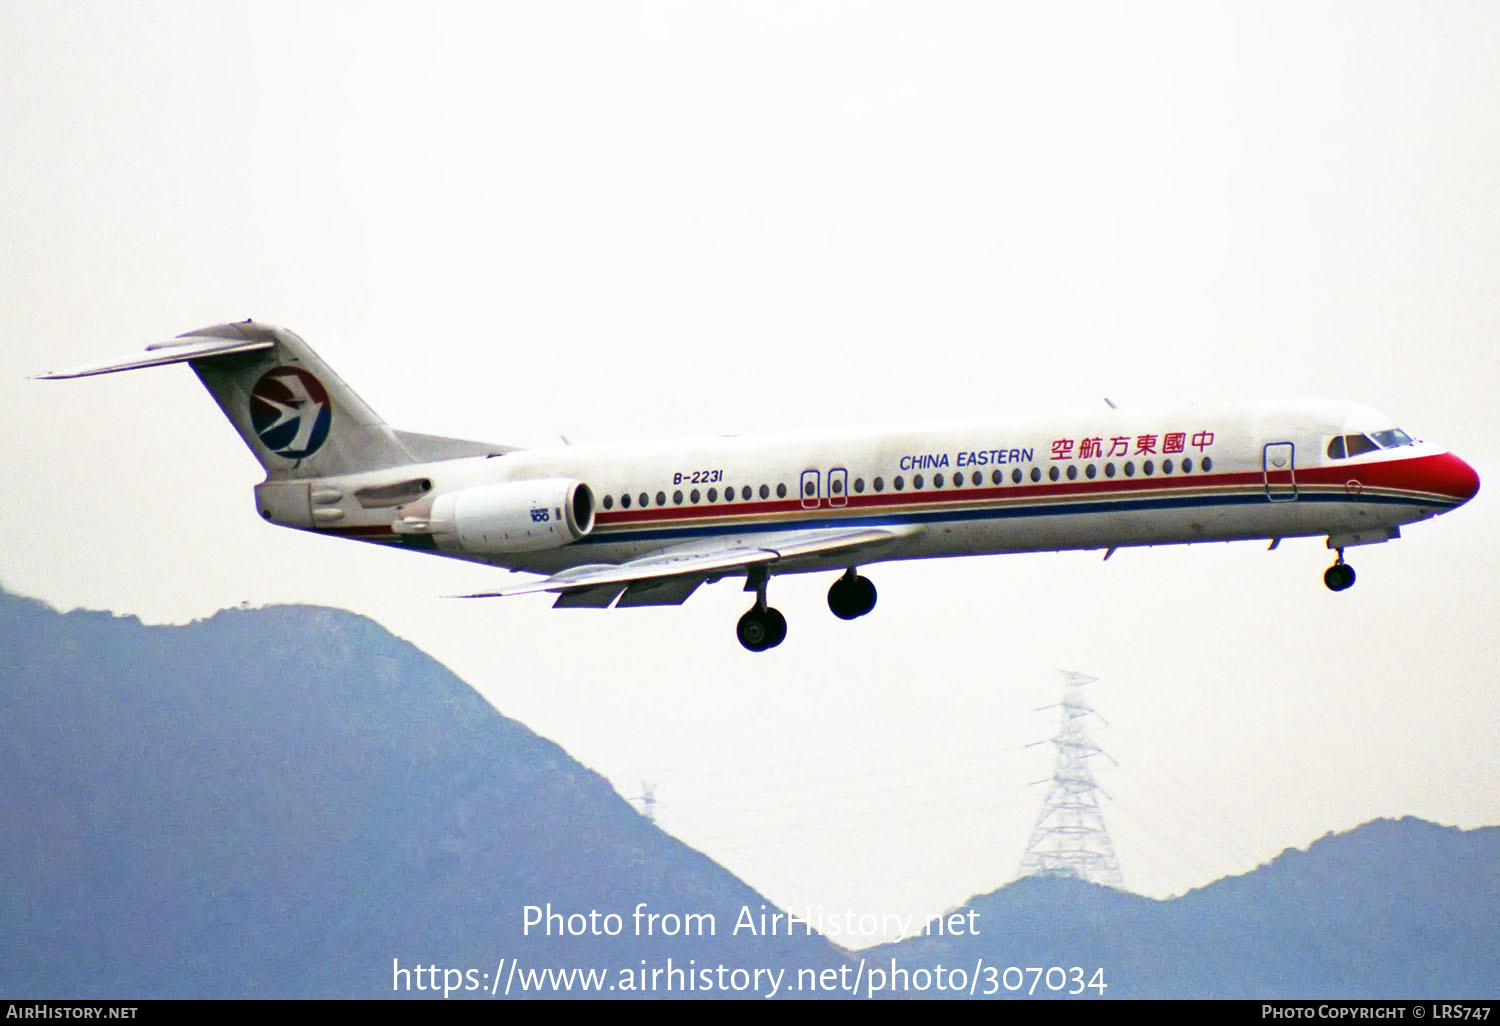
column 290, row 412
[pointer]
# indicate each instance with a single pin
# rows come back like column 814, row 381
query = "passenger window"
column 880, row 484
column 609, row 502
column 661, row 498
column 1148, row 468
column 1109, row 470
column 1072, row 472
column 899, row 483
column 1208, row 464
column 1129, row 468
column 1092, row 472
column 1166, row 466
column 1053, row 473
column 713, row 495
column 765, row 491
column 937, row 480
column 677, row 497
column 645, row 500
column 693, row 496
column 745, row 493
column 1187, row 466
column 838, row 486
column 859, row 484
column 1015, row 475
column 781, row 490
column 625, row 501
column 808, row 488
column 916, row 482
column 1036, row 473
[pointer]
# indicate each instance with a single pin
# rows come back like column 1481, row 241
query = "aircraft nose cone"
column 1470, row 480
column 1456, row 478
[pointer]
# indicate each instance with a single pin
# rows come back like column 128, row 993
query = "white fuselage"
column 1097, row 479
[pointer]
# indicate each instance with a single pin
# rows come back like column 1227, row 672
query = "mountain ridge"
column 292, row 802
column 279, row 802
column 1392, row 908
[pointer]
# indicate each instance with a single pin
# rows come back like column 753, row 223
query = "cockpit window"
column 1346, row 446
column 1349, row 446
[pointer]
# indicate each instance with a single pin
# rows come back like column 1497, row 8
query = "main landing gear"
column 1340, row 575
column 762, row 627
column 851, row 596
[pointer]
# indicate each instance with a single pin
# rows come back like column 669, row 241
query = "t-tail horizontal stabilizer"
column 295, row 415
column 179, row 350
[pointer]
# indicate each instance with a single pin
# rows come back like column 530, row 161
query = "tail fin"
column 296, row 416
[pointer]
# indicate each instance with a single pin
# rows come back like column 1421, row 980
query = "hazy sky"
column 617, row 220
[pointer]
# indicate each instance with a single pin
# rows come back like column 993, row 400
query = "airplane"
column 647, row 523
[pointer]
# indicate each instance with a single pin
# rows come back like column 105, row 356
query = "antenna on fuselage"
column 1110, row 403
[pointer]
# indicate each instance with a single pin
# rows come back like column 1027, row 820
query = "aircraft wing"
column 705, row 559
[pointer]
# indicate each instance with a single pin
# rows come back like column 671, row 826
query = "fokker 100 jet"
column 647, row 523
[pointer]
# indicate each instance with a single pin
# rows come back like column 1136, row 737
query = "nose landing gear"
column 1339, row 576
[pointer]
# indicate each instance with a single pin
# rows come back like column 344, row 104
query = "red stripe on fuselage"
column 368, row 531
column 967, row 495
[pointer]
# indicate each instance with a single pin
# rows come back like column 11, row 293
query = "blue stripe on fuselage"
column 993, row 513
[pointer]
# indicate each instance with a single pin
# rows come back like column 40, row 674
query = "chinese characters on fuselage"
column 1121, row 445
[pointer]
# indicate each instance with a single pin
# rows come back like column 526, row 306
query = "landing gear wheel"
column 753, row 630
column 778, row 627
column 851, row 596
column 761, row 628
column 1339, row 576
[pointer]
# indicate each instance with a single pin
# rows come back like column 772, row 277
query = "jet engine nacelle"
column 518, row 516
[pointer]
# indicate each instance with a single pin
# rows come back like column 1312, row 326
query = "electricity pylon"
column 1069, row 838
column 647, row 798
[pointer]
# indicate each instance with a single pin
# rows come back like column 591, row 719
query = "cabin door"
column 1280, row 467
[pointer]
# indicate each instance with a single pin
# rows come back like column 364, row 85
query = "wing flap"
column 600, row 597
column 702, row 560
column 636, row 570
column 665, row 591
